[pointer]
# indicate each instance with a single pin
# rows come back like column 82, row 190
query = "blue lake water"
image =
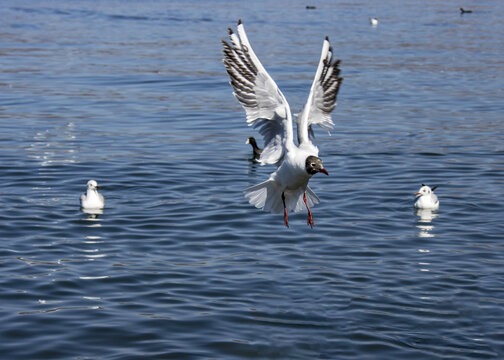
column 179, row 266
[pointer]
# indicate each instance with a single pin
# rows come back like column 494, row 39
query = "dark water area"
column 179, row 265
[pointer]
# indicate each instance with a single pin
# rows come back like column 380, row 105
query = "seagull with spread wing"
column 266, row 108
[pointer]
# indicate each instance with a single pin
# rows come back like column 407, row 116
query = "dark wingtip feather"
column 327, row 38
column 239, row 21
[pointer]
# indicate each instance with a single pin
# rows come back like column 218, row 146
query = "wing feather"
column 323, row 94
column 264, row 103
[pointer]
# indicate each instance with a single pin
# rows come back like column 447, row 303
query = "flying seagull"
column 267, row 109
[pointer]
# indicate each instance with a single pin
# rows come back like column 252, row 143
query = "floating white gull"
column 373, row 21
column 92, row 199
column 426, row 199
column 266, row 107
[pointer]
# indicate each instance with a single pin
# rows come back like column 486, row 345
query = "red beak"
column 417, row 194
column 324, row 171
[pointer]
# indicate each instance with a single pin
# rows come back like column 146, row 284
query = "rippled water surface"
column 179, row 265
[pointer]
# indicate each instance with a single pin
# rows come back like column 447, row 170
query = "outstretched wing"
column 322, row 98
column 259, row 95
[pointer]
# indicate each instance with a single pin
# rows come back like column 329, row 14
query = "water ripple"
column 179, row 265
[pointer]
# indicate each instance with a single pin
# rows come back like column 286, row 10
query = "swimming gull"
column 426, row 199
column 92, row 199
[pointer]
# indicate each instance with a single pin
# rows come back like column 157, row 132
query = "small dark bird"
column 311, row 7
column 257, row 150
column 462, row 11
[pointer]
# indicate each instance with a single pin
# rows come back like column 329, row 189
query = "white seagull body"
column 426, row 199
column 266, row 107
column 92, row 199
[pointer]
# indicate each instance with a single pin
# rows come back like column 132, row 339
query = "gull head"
column 92, row 185
column 425, row 190
column 314, row 165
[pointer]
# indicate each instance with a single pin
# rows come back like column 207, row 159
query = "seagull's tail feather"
column 266, row 196
column 311, row 197
column 294, row 199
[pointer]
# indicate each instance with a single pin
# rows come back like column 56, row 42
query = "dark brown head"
column 314, row 165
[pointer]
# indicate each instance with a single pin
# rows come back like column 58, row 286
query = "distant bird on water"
column 92, row 199
column 463, row 11
column 257, row 150
column 426, row 199
column 266, row 107
column 373, row 21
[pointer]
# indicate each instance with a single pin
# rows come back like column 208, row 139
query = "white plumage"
column 92, row 199
column 267, row 109
column 426, row 199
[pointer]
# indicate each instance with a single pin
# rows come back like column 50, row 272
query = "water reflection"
column 253, row 165
column 426, row 215
column 55, row 145
column 93, row 214
column 424, row 222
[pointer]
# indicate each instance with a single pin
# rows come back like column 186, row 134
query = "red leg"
column 286, row 220
column 310, row 217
